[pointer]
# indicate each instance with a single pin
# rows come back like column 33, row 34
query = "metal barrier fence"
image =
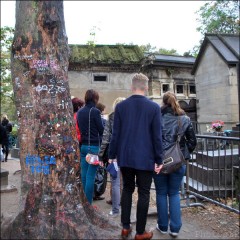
column 213, row 172
column 12, row 140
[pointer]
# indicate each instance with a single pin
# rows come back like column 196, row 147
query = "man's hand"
column 112, row 160
column 101, row 163
column 158, row 168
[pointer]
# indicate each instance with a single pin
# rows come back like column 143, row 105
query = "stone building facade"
column 217, row 81
column 110, row 68
column 107, row 69
column 172, row 73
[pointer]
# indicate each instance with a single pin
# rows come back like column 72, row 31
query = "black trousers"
column 143, row 179
column 5, row 150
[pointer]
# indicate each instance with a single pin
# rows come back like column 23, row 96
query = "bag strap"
column 179, row 127
column 89, row 128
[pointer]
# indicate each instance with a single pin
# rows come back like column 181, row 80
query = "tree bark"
column 53, row 205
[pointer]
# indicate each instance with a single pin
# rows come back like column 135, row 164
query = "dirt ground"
column 211, row 222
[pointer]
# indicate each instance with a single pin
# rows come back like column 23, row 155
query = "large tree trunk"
column 53, row 204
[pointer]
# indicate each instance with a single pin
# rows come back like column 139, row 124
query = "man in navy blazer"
column 136, row 143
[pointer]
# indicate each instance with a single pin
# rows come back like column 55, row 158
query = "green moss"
column 105, row 53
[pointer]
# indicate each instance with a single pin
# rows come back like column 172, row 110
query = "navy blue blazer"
column 137, row 134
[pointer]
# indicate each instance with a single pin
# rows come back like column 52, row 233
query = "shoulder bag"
column 173, row 158
column 91, row 158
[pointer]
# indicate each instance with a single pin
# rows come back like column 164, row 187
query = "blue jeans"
column 116, row 192
column 88, row 171
column 168, row 199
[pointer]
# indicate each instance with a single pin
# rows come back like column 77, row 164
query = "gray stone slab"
column 218, row 159
column 15, row 152
column 209, row 176
column 8, row 188
column 209, row 191
column 4, row 177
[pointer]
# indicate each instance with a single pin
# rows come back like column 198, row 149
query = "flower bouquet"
column 217, row 125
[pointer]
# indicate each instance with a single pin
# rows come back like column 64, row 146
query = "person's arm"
column 98, row 121
column 115, row 135
column 191, row 140
column 105, row 139
column 9, row 126
column 157, row 136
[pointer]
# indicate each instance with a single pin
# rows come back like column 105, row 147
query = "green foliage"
column 6, row 88
column 216, row 17
column 148, row 48
column 194, row 51
column 219, row 16
column 168, row 52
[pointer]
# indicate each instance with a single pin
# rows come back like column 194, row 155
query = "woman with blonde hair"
column 167, row 186
column 115, row 182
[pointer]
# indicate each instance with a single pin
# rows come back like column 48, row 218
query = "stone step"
column 4, row 176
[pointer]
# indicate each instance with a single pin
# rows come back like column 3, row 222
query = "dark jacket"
column 3, row 135
column 137, row 135
column 7, row 125
column 170, row 128
column 96, row 125
column 107, row 134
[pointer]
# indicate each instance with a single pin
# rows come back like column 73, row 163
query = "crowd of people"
column 134, row 137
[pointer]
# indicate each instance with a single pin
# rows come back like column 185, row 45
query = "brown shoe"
column 145, row 235
column 126, row 232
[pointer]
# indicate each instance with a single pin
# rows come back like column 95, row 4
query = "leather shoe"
column 145, row 235
column 109, row 202
column 126, row 232
column 98, row 198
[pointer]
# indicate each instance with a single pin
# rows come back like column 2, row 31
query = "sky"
column 163, row 24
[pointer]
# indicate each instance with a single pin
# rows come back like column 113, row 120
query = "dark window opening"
column 165, row 87
column 192, row 89
column 100, row 78
column 179, row 88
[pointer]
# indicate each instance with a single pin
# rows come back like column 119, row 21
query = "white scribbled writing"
column 23, row 57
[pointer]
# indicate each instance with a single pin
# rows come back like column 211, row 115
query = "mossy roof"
column 105, row 54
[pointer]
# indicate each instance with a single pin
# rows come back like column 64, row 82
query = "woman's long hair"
column 91, row 96
column 169, row 99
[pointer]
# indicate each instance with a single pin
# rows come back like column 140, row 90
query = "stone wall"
column 118, row 84
column 216, row 86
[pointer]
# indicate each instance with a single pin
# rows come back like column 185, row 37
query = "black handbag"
column 100, row 183
column 173, row 158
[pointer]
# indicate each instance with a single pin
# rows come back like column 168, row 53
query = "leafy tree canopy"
column 6, row 89
column 219, row 16
column 152, row 49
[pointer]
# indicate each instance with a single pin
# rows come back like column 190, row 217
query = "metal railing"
column 12, row 140
column 213, row 172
